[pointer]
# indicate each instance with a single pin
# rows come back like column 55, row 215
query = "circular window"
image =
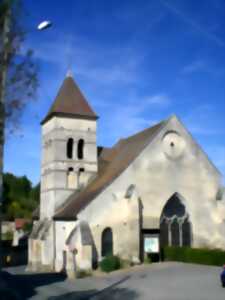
column 173, row 144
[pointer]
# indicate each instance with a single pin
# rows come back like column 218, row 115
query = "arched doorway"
column 107, row 242
column 175, row 226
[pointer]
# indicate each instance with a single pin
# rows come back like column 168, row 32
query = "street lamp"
column 44, row 25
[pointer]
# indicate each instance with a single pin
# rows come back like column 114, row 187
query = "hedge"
column 110, row 263
column 202, row 256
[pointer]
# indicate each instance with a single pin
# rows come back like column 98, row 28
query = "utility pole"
column 3, row 76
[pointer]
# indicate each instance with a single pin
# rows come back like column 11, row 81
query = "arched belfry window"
column 69, row 148
column 80, row 149
column 107, row 242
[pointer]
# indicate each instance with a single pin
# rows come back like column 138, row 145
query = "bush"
column 110, row 263
column 215, row 257
column 7, row 236
column 83, row 273
column 27, row 227
column 147, row 259
column 125, row 263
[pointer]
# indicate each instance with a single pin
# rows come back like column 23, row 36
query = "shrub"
column 147, row 259
column 110, row 263
column 215, row 257
column 125, row 263
column 27, row 227
column 83, row 273
column 8, row 235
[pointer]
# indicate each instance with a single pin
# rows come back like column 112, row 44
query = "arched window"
column 174, row 212
column 80, row 149
column 107, row 242
column 175, row 233
column 69, row 148
column 81, row 177
column 71, row 179
column 164, row 233
column 186, row 233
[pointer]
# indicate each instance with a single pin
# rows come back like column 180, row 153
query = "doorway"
column 150, row 245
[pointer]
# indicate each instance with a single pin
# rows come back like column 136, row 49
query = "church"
column 152, row 189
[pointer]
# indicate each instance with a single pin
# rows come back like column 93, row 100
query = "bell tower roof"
column 70, row 102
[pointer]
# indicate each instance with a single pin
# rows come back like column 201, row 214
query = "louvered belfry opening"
column 69, row 148
column 175, row 227
column 80, row 149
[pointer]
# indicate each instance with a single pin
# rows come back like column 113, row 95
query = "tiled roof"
column 70, row 102
column 112, row 162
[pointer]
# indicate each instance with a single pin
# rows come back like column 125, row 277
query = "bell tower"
column 69, row 151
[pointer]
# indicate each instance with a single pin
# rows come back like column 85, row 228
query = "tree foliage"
column 20, row 198
column 21, row 80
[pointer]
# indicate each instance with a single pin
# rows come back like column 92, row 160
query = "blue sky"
column 137, row 62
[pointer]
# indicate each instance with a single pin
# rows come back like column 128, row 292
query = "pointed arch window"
column 175, row 233
column 164, row 233
column 178, row 231
column 186, row 233
column 80, row 149
column 69, row 148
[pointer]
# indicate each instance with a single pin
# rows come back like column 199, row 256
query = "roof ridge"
column 144, row 130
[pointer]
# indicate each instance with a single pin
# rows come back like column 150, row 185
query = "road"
column 170, row 281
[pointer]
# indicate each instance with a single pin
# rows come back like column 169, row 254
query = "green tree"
column 18, row 72
column 20, row 198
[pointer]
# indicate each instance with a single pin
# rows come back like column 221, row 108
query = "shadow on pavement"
column 23, row 286
column 110, row 293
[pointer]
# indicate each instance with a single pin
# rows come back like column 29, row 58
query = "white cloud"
column 133, row 117
column 88, row 60
column 195, row 66
column 197, row 27
column 159, row 99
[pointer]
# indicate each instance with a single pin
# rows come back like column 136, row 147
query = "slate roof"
column 112, row 162
column 70, row 102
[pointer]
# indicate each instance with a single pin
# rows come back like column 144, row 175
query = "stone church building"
column 154, row 188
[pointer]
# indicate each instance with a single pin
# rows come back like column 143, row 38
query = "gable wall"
column 157, row 177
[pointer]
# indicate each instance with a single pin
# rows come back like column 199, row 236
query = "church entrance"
column 150, row 248
column 175, row 226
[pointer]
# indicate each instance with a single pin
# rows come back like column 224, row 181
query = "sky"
column 136, row 62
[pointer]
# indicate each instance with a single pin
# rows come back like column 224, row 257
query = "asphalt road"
column 170, row 281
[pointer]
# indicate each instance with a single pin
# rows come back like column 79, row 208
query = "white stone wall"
column 158, row 172
column 55, row 185
column 62, row 232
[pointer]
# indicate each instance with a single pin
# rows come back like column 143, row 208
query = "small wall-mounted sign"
column 151, row 244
